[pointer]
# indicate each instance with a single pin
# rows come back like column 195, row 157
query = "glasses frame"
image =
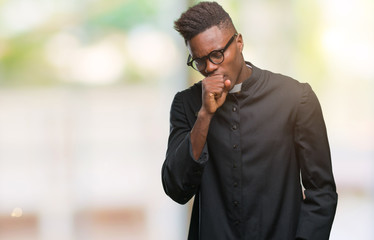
column 191, row 60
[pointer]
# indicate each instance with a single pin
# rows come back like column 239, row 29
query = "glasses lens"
column 216, row 57
column 198, row 64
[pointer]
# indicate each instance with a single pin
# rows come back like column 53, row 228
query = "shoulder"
column 192, row 92
column 280, row 80
column 190, row 96
column 188, row 102
column 287, row 85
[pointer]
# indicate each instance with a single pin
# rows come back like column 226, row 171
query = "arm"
column 187, row 152
column 318, row 208
column 181, row 173
column 214, row 92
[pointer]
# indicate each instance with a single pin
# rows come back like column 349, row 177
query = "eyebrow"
column 217, row 49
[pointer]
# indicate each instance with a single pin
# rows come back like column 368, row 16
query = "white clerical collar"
column 238, row 86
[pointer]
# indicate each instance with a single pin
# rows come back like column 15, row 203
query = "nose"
column 210, row 67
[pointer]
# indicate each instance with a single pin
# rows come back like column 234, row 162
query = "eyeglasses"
column 216, row 57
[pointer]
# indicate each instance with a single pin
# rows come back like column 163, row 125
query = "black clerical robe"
column 260, row 143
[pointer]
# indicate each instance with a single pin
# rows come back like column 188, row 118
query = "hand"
column 214, row 91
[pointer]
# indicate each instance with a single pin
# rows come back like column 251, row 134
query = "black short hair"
column 200, row 17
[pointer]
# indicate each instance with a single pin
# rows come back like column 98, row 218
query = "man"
column 241, row 138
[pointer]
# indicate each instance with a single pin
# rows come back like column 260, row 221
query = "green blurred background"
column 85, row 92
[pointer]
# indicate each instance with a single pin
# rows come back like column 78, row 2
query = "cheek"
column 234, row 65
column 234, row 56
column 234, row 62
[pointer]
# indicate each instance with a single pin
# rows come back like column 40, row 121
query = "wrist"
column 204, row 114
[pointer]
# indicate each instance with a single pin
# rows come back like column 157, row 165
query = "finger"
column 215, row 75
column 226, row 88
column 215, row 79
column 213, row 86
column 214, row 95
column 227, row 84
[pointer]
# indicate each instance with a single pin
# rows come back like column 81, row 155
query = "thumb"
column 227, row 85
column 226, row 89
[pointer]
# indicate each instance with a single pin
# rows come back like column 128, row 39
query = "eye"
column 198, row 64
column 216, row 56
column 199, row 61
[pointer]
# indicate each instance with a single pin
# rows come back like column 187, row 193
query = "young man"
column 241, row 138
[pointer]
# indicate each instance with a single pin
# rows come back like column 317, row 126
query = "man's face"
column 216, row 39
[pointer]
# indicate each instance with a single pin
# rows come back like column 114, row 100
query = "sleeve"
column 319, row 206
column 181, row 173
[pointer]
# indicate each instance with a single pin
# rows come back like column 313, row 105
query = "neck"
column 245, row 73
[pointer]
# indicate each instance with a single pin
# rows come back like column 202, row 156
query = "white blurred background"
column 85, row 92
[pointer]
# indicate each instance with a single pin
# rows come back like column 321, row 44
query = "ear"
column 239, row 42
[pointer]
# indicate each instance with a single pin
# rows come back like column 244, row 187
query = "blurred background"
column 85, row 92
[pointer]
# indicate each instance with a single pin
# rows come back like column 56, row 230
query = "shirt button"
column 234, row 109
column 234, row 127
column 234, row 146
column 236, row 203
column 235, row 184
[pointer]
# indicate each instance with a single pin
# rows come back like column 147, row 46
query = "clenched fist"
column 214, row 91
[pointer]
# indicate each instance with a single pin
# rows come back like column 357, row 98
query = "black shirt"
column 246, row 182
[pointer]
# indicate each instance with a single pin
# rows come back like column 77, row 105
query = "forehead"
column 211, row 39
